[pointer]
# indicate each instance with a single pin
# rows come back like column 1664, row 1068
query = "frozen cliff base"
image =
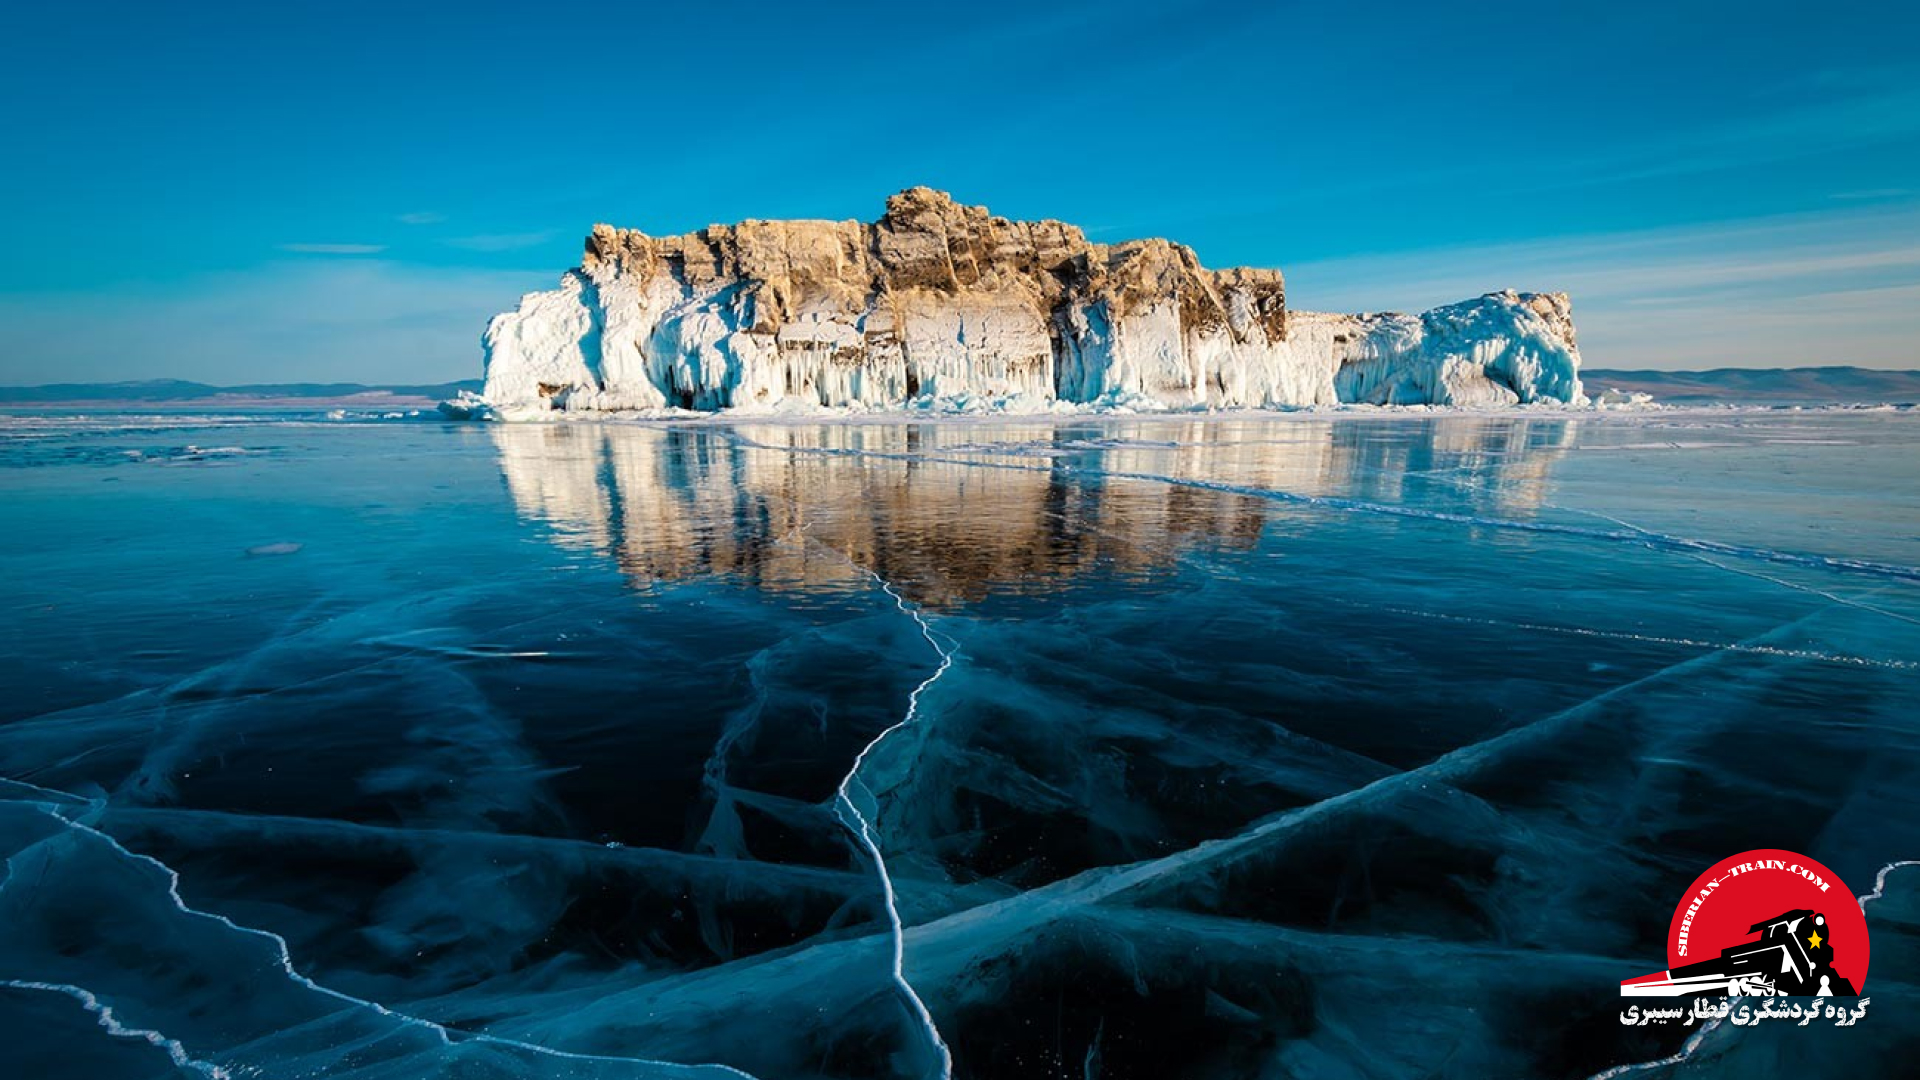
column 1501, row 349
column 938, row 302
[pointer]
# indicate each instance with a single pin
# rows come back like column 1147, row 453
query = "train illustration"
column 1792, row 957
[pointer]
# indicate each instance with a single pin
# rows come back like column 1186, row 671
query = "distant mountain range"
column 165, row 390
column 1738, row 386
column 1763, row 386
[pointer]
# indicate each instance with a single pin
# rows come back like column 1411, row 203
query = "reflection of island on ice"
column 1793, row 957
column 951, row 512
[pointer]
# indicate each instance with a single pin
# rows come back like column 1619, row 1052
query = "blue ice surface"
column 1159, row 747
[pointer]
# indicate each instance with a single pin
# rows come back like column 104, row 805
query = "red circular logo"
column 1769, row 922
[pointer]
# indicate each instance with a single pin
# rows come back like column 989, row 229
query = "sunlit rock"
column 938, row 304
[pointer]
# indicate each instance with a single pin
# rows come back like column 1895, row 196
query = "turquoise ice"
column 1219, row 747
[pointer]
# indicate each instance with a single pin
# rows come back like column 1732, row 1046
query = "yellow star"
column 1815, row 938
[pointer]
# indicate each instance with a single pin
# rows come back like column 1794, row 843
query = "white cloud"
column 501, row 241
column 421, row 217
column 1824, row 288
column 334, row 249
column 360, row 320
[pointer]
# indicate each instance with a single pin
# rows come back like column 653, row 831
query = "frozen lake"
column 1164, row 747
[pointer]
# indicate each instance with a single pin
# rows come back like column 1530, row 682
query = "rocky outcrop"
column 937, row 302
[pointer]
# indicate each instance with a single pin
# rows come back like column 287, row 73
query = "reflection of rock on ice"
column 950, row 511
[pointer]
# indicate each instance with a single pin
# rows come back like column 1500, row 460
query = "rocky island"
column 942, row 305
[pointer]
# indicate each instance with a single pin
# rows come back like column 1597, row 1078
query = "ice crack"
column 862, row 829
column 104, row 1014
column 1880, row 881
column 284, row 959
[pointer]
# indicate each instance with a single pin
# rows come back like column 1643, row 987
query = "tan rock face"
column 934, row 301
column 928, row 243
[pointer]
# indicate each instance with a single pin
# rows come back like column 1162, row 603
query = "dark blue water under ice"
column 1153, row 748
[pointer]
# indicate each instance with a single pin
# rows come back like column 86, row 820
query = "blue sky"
column 278, row 192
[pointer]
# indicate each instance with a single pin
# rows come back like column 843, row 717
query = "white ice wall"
column 603, row 342
column 1501, row 349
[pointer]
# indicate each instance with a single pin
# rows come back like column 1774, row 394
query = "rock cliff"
column 941, row 303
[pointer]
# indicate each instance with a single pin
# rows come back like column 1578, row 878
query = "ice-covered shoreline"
column 1623, row 412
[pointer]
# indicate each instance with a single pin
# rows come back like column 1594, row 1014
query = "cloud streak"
column 333, row 249
column 491, row 242
column 365, row 320
column 1834, row 287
